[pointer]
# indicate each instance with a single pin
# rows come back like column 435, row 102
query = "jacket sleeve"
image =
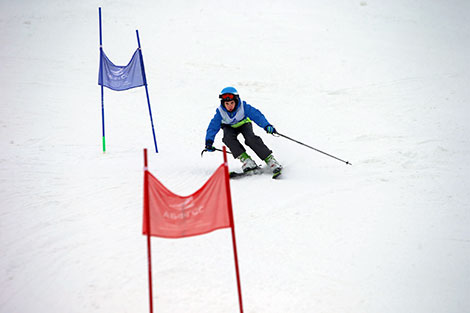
column 214, row 127
column 256, row 116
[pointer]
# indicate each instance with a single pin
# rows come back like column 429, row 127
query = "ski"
column 256, row 171
column 252, row 172
column 277, row 173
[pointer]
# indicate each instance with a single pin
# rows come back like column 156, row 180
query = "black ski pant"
column 251, row 140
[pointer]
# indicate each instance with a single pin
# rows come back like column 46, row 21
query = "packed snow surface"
column 381, row 84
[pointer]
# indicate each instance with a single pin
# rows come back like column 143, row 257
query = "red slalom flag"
column 174, row 216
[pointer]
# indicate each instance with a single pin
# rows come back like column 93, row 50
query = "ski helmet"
column 228, row 94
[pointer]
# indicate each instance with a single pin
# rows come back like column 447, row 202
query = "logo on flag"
column 174, row 216
column 119, row 78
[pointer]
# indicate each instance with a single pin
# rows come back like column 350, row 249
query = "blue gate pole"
column 146, row 90
column 102, row 89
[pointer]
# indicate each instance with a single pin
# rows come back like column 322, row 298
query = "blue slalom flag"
column 121, row 77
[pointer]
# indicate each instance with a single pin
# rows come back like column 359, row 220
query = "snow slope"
column 381, row 84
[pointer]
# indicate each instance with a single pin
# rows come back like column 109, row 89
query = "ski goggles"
column 227, row 97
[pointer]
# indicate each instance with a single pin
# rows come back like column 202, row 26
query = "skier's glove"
column 209, row 146
column 270, row 129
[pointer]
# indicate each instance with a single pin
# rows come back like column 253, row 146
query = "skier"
column 234, row 117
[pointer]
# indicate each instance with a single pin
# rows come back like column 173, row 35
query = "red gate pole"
column 232, row 227
column 147, row 215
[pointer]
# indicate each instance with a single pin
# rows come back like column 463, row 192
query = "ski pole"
column 216, row 149
column 303, row 144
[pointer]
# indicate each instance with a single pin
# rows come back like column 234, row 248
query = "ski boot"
column 248, row 163
column 274, row 165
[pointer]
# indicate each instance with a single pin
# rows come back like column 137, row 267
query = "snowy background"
column 382, row 84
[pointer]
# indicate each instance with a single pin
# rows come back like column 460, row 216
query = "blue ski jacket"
column 243, row 113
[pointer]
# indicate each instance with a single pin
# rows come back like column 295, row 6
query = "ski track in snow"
column 384, row 86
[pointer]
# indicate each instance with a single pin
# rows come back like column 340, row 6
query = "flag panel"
column 120, row 78
column 174, row 216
